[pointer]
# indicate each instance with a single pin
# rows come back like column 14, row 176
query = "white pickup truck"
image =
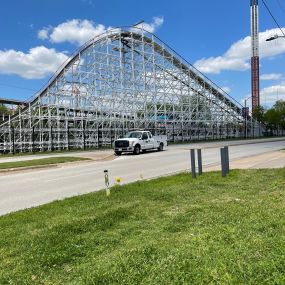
column 139, row 141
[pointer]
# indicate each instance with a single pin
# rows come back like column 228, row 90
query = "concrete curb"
column 38, row 167
column 18, row 169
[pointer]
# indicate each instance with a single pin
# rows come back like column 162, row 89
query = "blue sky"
column 36, row 37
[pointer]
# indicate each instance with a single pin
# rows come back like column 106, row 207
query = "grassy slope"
column 49, row 152
column 172, row 230
column 41, row 161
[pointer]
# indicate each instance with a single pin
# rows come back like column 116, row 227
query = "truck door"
column 144, row 140
column 150, row 143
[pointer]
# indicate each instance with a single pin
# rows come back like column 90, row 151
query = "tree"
column 275, row 116
column 4, row 110
column 258, row 113
column 279, row 106
column 272, row 118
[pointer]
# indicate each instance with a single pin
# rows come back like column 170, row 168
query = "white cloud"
column 151, row 27
column 43, row 34
column 40, row 61
column 238, row 55
column 75, row 31
column 78, row 31
column 269, row 95
column 217, row 64
column 271, row 76
column 37, row 63
column 226, row 89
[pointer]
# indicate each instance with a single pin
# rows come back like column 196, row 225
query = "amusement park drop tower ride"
column 255, row 89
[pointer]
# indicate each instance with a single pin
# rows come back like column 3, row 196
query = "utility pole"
column 255, row 87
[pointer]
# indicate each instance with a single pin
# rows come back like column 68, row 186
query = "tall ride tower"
column 255, row 90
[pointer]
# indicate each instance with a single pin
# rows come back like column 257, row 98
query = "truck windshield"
column 135, row 135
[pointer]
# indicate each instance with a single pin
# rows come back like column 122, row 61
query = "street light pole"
column 245, row 112
column 272, row 39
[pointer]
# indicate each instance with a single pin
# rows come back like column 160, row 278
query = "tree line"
column 273, row 118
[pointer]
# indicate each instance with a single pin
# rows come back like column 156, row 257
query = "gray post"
column 223, row 162
column 13, row 139
column 51, row 139
column 227, row 159
column 83, row 129
column 111, row 136
column 68, row 137
column 199, row 155
column 193, row 164
column 33, row 139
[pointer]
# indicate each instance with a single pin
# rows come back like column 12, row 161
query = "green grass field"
column 40, row 162
column 172, row 230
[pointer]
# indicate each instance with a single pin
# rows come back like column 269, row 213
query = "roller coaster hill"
column 122, row 80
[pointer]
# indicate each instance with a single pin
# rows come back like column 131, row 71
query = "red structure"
column 255, row 87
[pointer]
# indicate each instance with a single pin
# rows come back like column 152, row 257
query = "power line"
column 273, row 17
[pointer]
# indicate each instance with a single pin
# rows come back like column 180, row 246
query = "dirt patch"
column 99, row 157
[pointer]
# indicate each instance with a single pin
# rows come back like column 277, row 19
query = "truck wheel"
column 160, row 148
column 137, row 150
column 118, row 152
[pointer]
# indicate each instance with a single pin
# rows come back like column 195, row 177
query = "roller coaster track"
column 123, row 79
column 178, row 61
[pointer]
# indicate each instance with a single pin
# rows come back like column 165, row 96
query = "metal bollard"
column 199, row 155
column 227, row 159
column 193, row 164
column 107, row 184
column 223, row 162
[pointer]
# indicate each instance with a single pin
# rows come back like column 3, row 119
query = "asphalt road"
column 35, row 187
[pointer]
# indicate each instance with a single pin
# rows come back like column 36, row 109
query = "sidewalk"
column 275, row 159
column 215, row 144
